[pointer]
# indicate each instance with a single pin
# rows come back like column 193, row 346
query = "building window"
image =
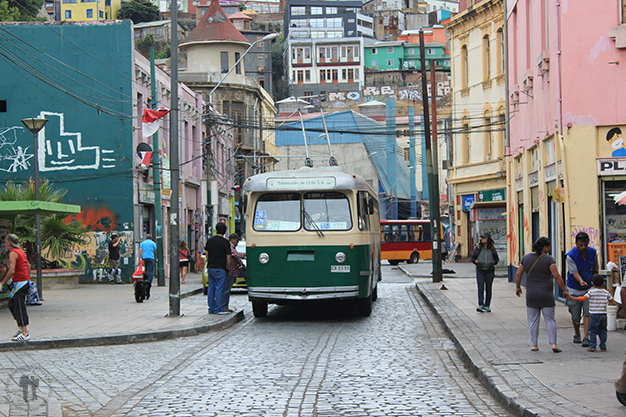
column 390, row 49
column 238, row 24
column 390, row 62
column 464, row 67
column 356, row 73
column 501, row 129
column 351, row 74
column 487, row 136
column 374, row 51
column 374, row 63
column 316, row 10
column 261, row 43
column 334, row 52
column 500, row 47
column 430, row 51
column 465, row 142
column 322, row 75
column 261, row 81
column 331, row 10
column 260, row 61
column 307, row 53
column 486, row 58
column 238, row 66
column 316, row 23
column 68, row 14
column 89, row 13
column 344, row 74
column 412, row 51
column 298, row 11
column 300, row 76
column 335, row 75
column 307, row 75
column 224, row 62
column 343, row 51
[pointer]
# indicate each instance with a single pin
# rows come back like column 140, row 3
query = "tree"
column 139, row 11
column 8, row 13
column 57, row 236
column 144, row 45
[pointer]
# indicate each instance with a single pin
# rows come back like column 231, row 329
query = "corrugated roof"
column 239, row 15
column 214, row 26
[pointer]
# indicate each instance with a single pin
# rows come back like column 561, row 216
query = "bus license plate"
column 340, row 268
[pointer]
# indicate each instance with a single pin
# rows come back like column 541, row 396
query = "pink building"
column 567, row 112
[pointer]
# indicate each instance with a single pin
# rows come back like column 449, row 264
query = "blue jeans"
column 228, row 285
column 215, row 293
column 149, row 263
column 597, row 327
column 484, row 279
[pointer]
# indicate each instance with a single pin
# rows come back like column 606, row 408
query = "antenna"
column 307, row 161
column 332, row 161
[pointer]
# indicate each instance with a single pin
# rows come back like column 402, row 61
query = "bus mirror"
column 244, row 203
column 370, row 205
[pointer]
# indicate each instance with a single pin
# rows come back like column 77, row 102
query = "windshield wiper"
column 310, row 220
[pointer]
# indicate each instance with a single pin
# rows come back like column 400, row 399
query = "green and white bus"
column 311, row 234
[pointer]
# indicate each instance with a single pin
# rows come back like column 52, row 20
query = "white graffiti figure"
column 61, row 150
column 16, row 156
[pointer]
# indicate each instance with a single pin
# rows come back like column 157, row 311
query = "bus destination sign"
column 311, row 183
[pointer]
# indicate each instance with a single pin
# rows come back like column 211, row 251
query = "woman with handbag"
column 183, row 260
column 541, row 272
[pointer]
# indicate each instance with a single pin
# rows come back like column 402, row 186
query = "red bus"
column 405, row 240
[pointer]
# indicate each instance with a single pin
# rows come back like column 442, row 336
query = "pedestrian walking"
column 597, row 297
column 485, row 258
column 19, row 274
column 147, row 250
column 218, row 261
column 620, row 385
column 115, row 273
column 541, row 272
column 236, row 266
column 582, row 264
column 183, row 260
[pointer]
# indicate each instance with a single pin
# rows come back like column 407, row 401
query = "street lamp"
column 264, row 38
column 35, row 125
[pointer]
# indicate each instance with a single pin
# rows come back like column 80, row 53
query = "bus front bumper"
column 302, row 293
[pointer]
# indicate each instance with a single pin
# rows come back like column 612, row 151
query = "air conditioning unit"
column 515, row 95
column 543, row 63
column 527, row 82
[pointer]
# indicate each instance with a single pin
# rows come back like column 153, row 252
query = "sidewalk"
column 103, row 314
column 496, row 347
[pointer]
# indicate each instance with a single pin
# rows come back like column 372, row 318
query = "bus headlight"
column 340, row 257
column 264, row 258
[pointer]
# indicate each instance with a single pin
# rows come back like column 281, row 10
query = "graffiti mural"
column 594, row 235
column 62, row 150
column 95, row 220
column 13, row 158
column 93, row 257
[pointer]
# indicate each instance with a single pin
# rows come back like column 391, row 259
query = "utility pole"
column 435, row 155
column 174, row 167
column 434, row 216
column 156, row 165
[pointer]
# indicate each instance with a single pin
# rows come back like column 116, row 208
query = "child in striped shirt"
column 598, row 297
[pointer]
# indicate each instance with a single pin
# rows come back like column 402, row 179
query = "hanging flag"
column 150, row 121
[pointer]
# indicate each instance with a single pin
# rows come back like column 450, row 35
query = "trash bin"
column 611, row 314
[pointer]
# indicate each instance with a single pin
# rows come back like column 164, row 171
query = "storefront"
column 612, row 173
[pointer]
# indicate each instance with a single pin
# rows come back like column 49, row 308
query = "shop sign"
column 468, row 202
column 146, row 193
column 611, row 166
column 491, row 195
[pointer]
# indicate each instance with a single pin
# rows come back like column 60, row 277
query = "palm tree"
column 57, row 236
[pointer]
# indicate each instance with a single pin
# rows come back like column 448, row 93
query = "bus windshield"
column 277, row 212
column 328, row 210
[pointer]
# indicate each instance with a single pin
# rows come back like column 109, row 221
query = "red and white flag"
column 150, row 121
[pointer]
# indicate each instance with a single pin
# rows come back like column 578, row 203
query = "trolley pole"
column 174, row 219
column 156, row 164
column 432, row 197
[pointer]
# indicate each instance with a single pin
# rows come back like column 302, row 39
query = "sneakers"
column 21, row 338
column 486, row 309
column 577, row 338
column 585, row 342
column 222, row 312
column 18, row 332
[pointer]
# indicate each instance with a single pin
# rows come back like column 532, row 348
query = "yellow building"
column 89, row 10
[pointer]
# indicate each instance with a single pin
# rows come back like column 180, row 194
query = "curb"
column 122, row 339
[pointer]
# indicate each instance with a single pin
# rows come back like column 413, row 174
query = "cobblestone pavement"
column 318, row 360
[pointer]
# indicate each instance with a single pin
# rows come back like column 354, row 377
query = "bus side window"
column 403, row 233
column 363, row 211
column 427, row 237
column 419, row 236
column 386, row 233
column 396, row 233
column 411, row 233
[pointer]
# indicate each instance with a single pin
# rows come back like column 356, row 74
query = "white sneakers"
column 21, row 337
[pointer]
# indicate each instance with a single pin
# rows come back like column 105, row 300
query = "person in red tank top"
column 19, row 271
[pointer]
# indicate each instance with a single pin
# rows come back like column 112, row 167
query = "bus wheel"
column 415, row 258
column 394, row 262
column 259, row 309
column 375, row 293
column 364, row 306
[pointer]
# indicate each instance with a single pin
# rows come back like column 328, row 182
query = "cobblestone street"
column 319, row 360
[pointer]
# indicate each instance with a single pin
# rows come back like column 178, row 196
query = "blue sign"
column 468, row 201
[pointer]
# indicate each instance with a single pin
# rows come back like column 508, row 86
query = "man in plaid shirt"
column 235, row 267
